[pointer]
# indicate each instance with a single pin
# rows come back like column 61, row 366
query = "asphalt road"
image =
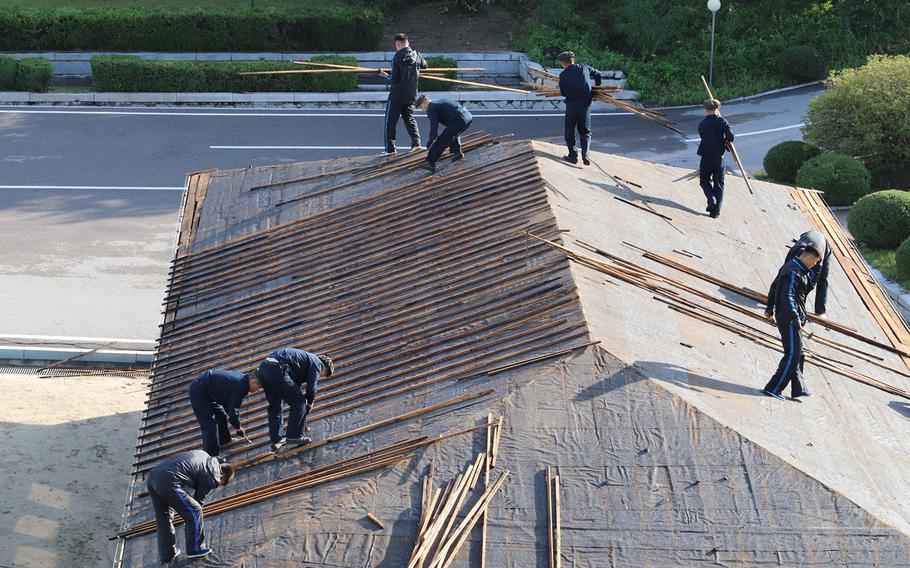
column 89, row 197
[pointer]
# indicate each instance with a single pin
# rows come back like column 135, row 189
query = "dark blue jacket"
column 405, row 73
column 575, row 83
column 446, row 112
column 715, row 133
column 193, row 469
column 302, row 366
column 225, row 388
column 787, row 295
column 818, row 274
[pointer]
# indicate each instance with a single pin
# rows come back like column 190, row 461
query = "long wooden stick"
column 77, row 356
column 557, row 554
column 356, row 70
column 551, row 546
column 730, row 145
column 475, row 84
column 372, row 69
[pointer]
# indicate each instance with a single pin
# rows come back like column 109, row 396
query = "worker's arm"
column 772, row 299
column 209, row 478
column 434, row 125
column 728, row 133
column 311, row 383
column 596, row 75
column 562, row 88
column 421, row 62
column 821, row 290
column 792, row 300
column 233, row 410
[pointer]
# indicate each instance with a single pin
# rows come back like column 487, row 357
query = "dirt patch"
column 432, row 30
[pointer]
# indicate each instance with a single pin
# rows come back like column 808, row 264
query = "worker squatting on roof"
column 216, row 397
column 575, row 85
column 715, row 134
column 168, row 484
column 406, row 66
column 456, row 120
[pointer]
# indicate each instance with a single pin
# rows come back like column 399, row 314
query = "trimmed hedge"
column 881, row 219
column 34, row 74
column 7, row 73
column 425, row 84
column 842, row 178
column 129, row 73
column 802, row 63
column 783, row 160
column 127, row 28
column 902, row 258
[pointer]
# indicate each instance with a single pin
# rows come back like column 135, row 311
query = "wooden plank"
column 375, row 520
column 551, row 546
column 557, row 556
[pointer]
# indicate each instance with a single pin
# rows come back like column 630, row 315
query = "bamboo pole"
column 551, row 545
column 475, row 84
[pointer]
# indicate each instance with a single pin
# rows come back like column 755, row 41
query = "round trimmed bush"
column 902, row 258
column 802, row 63
column 842, row 178
column 7, row 73
column 783, row 160
column 881, row 219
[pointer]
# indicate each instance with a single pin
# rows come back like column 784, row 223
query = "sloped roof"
column 439, row 306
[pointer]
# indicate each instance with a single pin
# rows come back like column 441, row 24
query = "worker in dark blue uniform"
column 456, row 120
column 216, row 397
column 787, row 304
column 575, row 86
column 715, row 134
column 406, row 66
column 180, row 483
column 818, row 275
column 282, row 375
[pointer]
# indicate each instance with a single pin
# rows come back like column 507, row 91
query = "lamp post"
column 713, row 7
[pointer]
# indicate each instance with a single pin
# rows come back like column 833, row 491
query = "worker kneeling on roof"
column 575, row 86
column 216, row 397
column 787, row 304
column 282, row 375
column 168, row 484
column 456, row 120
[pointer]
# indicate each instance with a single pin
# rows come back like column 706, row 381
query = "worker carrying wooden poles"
column 575, row 86
column 282, row 375
column 715, row 134
column 456, row 120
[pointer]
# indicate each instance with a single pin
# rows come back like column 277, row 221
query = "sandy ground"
column 65, row 450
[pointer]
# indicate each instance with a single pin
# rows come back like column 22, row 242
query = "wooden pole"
column 475, row 84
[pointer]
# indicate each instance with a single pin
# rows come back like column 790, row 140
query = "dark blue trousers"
column 578, row 117
column 711, row 179
column 212, row 420
column 449, row 138
column 279, row 387
column 167, row 498
column 790, row 369
column 393, row 111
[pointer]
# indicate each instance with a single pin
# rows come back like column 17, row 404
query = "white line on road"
column 296, row 147
column 117, row 187
column 757, row 132
column 281, row 115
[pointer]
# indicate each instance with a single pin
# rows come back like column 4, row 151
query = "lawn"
column 884, row 261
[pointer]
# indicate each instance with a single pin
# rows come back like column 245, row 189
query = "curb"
column 21, row 348
column 898, row 296
column 748, row 97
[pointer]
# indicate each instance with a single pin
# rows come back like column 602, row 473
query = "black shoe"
column 709, row 208
column 571, row 158
column 387, row 153
column 301, row 441
column 773, row 394
column 458, row 156
column 805, row 394
column 176, row 554
column 202, row 552
column 585, row 161
column 715, row 213
column 428, row 167
column 279, row 445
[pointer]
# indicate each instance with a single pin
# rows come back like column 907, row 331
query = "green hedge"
column 129, row 73
column 7, row 73
column 881, row 219
column 802, row 63
column 783, row 160
column 902, row 258
column 126, row 28
column 34, row 74
column 425, row 84
column 842, row 178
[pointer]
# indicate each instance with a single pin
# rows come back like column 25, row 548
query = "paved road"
column 89, row 196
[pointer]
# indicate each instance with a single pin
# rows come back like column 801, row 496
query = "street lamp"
column 713, row 6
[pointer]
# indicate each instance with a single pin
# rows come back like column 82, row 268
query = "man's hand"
column 309, row 406
column 240, row 432
column 769, row 314
column 383, row 74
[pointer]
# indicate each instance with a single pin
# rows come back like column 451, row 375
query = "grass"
column 166, row 3
column 883, row 260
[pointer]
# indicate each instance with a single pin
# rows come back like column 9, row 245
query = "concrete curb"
column 748, row 97
column 899, row 296
column 51, row 349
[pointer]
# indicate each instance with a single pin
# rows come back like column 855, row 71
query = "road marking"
column 296, row 147
column 115, row 187
column 757, row 132
column 280, row 115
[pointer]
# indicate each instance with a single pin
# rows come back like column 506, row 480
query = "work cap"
column 712, row 104
column 420, row 100
column 566, row 56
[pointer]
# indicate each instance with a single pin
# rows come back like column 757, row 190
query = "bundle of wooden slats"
column 439, row 539
column 553, row 519
column 601, row 93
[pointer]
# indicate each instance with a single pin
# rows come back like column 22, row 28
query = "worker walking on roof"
column 180, row 483
column 787, row 304
column 575, row 86
column 282, row 375
column 715, row 134
column 456, row 120
column 406, row 66
column 818, row 275
column 216, row 397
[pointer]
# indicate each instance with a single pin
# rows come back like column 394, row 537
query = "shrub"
column 802, row 63
column 34, row 74
column 129, row 73
column 783, row 160
column 902, row 259
column 864, row 112
column 842, row 178
column 121, row 28
column 7, row 73
column 881, row 219
column 427, row 84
